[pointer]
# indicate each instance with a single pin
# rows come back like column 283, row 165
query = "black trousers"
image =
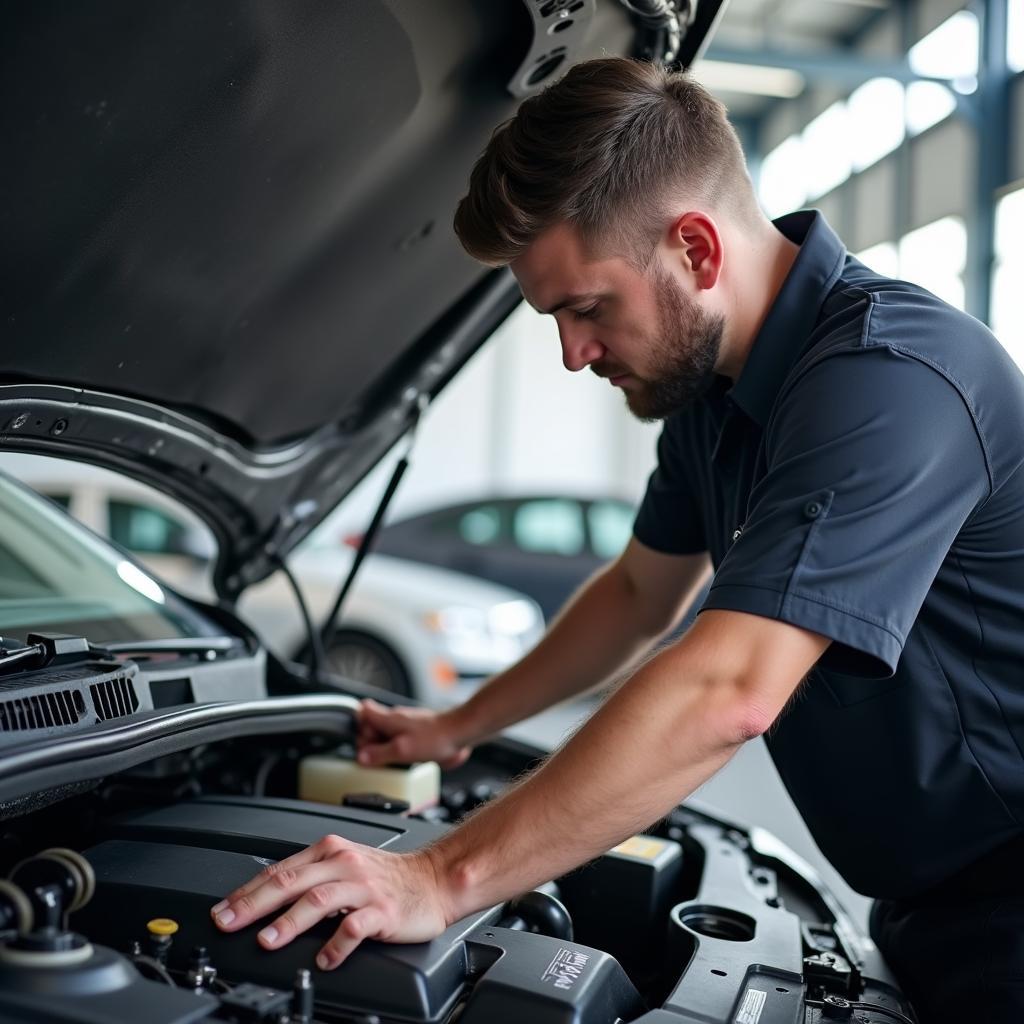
column 958, row 950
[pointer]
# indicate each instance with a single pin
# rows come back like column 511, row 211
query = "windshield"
column 57, row 577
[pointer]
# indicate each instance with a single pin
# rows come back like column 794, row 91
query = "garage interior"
column 903, row 122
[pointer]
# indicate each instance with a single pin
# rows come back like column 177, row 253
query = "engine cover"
column 178, row 861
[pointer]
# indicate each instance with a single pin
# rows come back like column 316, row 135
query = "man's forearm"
column 601, row 633
column 652, row 743
column 662, row 734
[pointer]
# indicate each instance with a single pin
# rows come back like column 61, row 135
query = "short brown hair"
column 604, row 149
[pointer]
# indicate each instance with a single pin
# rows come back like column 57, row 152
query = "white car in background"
column 411, row 629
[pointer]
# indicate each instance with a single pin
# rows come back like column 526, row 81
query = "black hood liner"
column 240, row 209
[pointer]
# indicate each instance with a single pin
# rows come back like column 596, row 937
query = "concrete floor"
column 747, row 790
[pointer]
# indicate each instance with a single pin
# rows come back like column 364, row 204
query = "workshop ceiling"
column 752, row 26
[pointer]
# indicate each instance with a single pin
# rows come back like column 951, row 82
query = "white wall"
column 515, row 420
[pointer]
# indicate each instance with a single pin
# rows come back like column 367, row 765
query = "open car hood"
column 229, row 266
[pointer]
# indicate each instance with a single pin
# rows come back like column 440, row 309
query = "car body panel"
column 392, row 601
column 544, row 545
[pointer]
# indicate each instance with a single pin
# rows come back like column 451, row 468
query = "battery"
column 621, row 901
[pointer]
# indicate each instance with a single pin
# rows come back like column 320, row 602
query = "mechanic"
column 843, row 450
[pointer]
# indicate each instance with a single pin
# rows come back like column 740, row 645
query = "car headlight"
column 512, row 618
column 457, row 620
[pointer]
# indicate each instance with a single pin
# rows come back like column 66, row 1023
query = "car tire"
column 365, row 659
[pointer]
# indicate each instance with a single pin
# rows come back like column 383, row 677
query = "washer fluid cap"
column 162, row 926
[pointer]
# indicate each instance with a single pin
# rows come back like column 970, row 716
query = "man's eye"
column 585, row 314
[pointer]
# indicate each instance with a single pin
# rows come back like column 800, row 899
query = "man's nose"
column 579, row 347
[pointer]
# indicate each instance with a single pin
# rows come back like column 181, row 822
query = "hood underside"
column 229, row 268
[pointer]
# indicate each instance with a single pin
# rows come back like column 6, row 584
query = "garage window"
column 949, row 51
column 783, row 185
column 1007, row 309
column 145, row 530
column 827, row 137
column 883, row 258
column 934, row 256
column 1015, row 36
column 61, row 498
column 876, row 125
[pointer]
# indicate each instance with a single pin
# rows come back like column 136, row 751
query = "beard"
column 682, row 355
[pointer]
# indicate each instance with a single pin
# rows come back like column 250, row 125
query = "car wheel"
column 367, row 660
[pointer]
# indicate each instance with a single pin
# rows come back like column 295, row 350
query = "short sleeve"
column 873, row 465
column 669, row 518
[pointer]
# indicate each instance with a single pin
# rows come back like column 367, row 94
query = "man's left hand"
column 388, row 896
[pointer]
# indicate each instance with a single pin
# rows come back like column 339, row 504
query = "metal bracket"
column 559, row 29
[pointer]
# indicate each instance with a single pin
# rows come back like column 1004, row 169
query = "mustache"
column 608, row 370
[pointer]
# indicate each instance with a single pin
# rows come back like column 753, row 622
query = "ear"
column 694, row 239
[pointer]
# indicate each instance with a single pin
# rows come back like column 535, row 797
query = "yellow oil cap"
column 162, row 926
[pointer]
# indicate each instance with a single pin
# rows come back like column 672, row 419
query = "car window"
column 145, row 529
column 56, row 576
column 481, row 525
column 17, row 576
column 611, row 526
column 549, row 526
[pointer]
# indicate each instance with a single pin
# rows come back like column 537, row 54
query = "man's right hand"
column 405, row 735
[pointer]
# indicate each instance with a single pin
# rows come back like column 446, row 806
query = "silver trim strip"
column 125, row 735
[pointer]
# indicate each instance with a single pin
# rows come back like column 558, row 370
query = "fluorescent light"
column 725, row 76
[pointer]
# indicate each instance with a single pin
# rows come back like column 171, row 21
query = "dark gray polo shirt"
column 862, row 479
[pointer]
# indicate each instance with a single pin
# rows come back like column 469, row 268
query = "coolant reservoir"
column 327, row 779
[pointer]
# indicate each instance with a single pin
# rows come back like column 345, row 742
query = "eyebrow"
column 569, row 300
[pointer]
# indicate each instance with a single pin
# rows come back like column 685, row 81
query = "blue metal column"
column 749, row 131
column 902, row 155
column 991, row 130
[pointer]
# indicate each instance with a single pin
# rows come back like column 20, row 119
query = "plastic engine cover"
column 178, row 861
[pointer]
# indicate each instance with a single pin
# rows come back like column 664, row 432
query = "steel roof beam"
column 838, row 66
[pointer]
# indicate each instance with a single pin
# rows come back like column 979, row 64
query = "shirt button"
column 812, row 509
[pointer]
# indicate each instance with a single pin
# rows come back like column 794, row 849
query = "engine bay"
column 105, row 913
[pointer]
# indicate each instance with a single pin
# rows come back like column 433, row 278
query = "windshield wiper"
column 45, row 649
column 208, row 645
column 11, row 657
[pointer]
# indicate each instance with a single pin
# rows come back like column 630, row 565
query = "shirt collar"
column 793, row 314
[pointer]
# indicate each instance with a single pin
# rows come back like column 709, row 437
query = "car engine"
column 695, row 921
column 125, row 815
